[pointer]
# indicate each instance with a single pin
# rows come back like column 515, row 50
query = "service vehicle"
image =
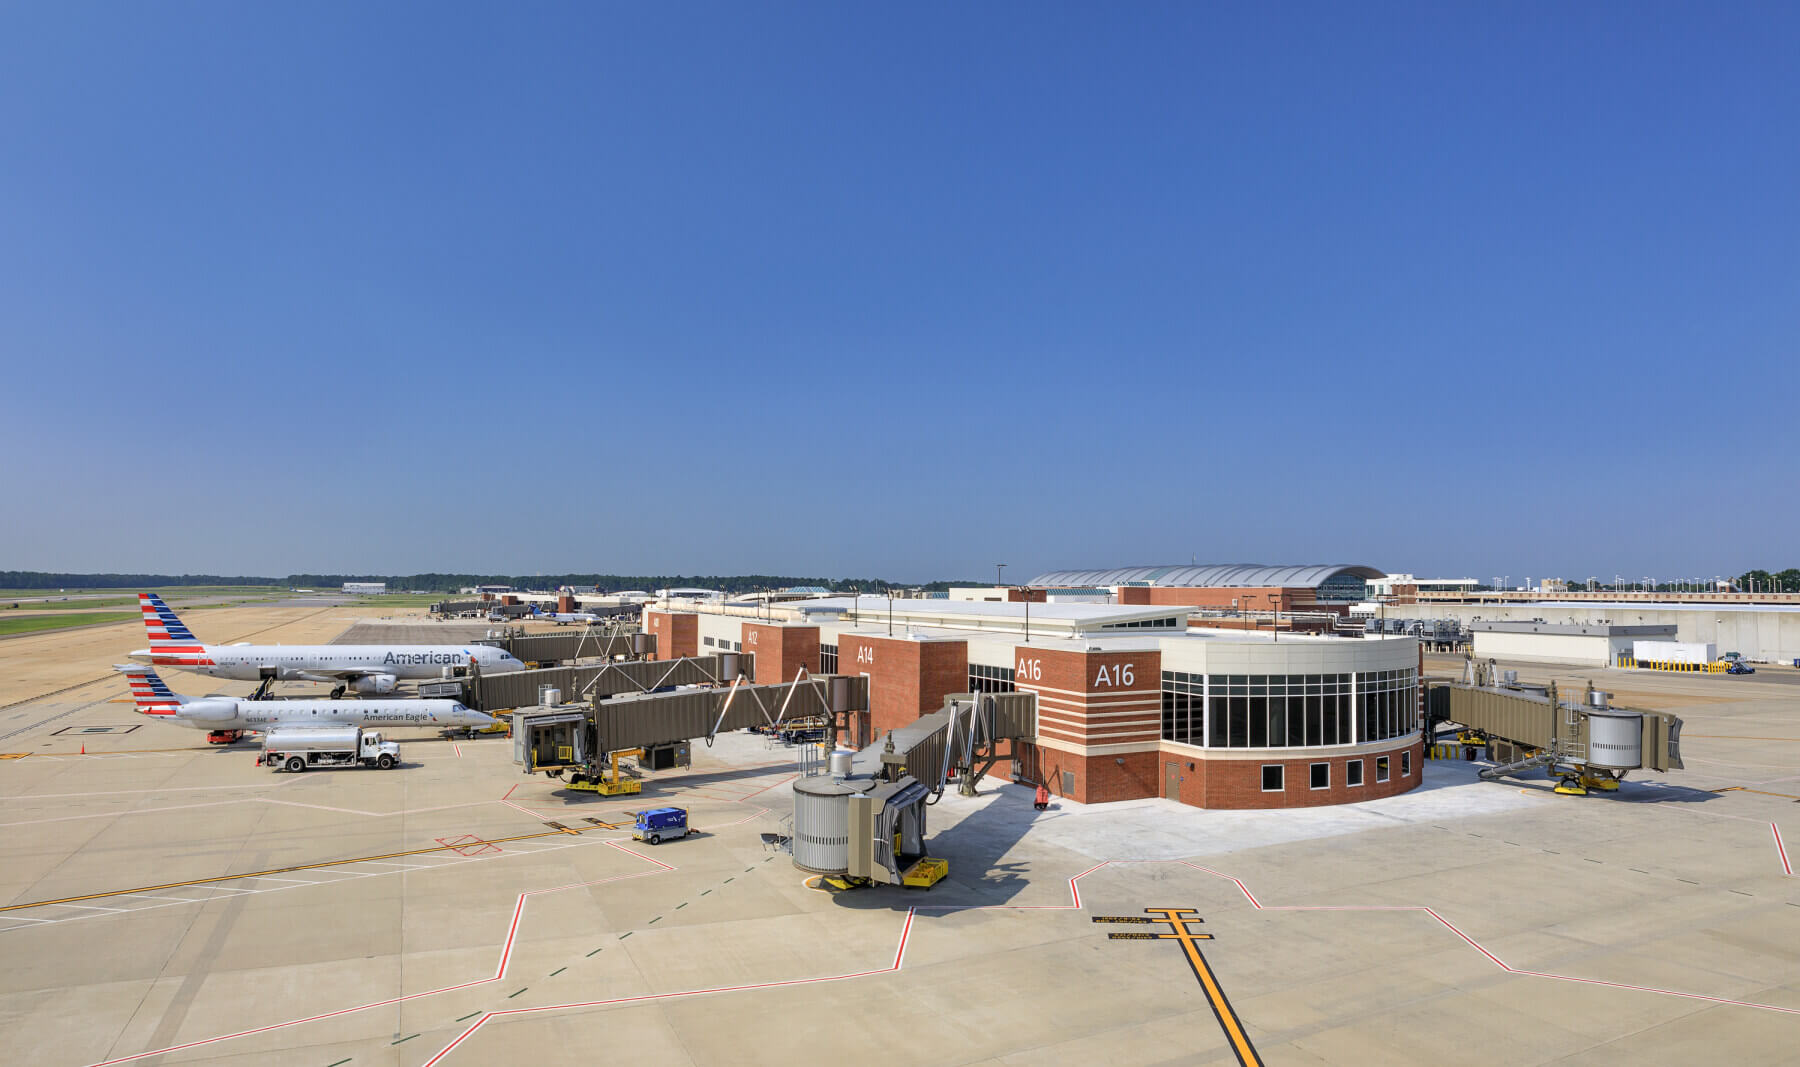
column 500, row 728
column 661, row 824
column 297, row 748
column 1739, row 666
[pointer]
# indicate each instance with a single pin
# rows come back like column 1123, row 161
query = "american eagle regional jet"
column 225, row 717
column 368, row 669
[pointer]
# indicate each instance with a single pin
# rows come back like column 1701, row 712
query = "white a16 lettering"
column 1119, row 674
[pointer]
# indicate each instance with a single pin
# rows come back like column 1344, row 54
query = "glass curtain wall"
column 1288, row 711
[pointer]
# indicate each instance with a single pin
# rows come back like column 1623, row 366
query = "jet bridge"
column 864, row 822
column 600, row 681
column 588, row 643
column 577, row 738
column 1586, row 745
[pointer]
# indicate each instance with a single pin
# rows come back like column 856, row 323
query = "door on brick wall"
column 1172, row 781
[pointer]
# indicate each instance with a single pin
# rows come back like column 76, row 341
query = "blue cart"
column 660, row 824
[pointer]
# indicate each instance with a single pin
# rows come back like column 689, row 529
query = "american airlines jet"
column 225, row 717
column 364, row 668
column 563, row 618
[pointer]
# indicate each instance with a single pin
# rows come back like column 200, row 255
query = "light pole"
column 1025, row 591
column 998, row 567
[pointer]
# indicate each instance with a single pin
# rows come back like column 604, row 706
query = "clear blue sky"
column 899, row 290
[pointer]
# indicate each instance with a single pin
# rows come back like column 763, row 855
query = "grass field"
column 26, row 624
column 59, row 604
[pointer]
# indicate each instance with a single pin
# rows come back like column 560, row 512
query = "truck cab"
column 660, row 824
column 373, row 748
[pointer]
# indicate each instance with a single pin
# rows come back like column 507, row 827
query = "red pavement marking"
column 468, row 845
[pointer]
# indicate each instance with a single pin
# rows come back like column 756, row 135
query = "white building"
column 1575, row 644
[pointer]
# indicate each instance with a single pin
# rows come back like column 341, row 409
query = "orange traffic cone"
column 84, row 748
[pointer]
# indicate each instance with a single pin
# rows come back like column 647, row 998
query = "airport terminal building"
column 1133, row 701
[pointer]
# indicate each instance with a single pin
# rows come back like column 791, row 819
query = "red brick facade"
column 781, row 650
column 1215, row 783
column 907, row 678
column 1237, row 783
column 677, row 633
column 1262, row 598
column 1093, row 698
column 1089, row 779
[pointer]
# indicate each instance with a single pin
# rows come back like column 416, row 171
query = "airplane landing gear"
column 338, row 692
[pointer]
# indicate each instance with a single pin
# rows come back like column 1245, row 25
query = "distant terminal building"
column 1227, row 586
column 365, row 588
column 1003, row 594
column 1133, row 702
column 1406, row 587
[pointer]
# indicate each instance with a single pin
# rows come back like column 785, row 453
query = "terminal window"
column 986, row 679
column 1184, row 708
column 828, row 659
column 1406, row 764
column 1288, row 710
column 1321, row 776
column 1381, row 768
column 1271, row 774
column 1387, row 703
column 1273, row 711
column 1353, row 772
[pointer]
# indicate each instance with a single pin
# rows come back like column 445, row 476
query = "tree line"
column 727, row 583
column 49, row 580
column 1752, row 581
column 450, row 583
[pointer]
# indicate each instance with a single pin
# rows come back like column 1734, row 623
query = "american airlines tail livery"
column 364, row 668
column 225, row 717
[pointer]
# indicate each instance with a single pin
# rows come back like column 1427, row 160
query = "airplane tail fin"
column 167, row 632
column 153, row 696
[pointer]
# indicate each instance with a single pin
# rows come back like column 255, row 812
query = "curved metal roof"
column 1211, row 575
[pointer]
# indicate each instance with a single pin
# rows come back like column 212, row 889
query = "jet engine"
column 209, row 709
column 374, row 683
